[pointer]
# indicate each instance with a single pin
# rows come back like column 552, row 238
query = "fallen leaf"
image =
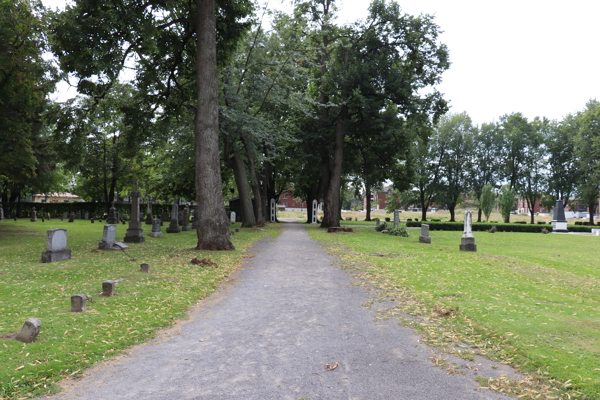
column 332, row 366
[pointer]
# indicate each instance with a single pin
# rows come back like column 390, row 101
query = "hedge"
column 479, row 226
column 93, row 208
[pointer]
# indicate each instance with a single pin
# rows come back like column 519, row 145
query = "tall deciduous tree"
column 515, row 130
column 487, row 201
column 587, row 149
column 486, row 160
column 562, row 161
column 177, row 46
column 506, row 201
column 532, row 180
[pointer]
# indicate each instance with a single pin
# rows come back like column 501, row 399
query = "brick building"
column 379, row 198
column 291, row 203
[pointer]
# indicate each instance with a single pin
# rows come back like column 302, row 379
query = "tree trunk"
column 213, row 226
column 331, row 217
column 241, row 181
column 592, row 210
column 479, row 212
column 254, row 181
column 452, row 209
column 368, row 194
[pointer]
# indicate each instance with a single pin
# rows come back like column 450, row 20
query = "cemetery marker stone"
column 135, row 233
column 273, row 211
column 186, row 219
column 145, row 268
column 29, row 331
column 33, row 215
column 232, row 217
column 1, row 213
column 424, row 237
column 174, row 226
column 72, row 217
column 57, row 246
column 314, row 212
column 559, row 222
column 112, row 215
column 467, row 241
column 78, row 303
column 109, row 241
column 155, row 228
column 108, row 288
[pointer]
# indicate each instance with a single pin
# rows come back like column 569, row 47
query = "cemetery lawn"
column 525, row 299
column 143, row 304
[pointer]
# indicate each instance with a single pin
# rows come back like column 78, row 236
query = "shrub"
column 349, row 219
column 541, row 223
column 400, row 231
column 544, row 231
column 409, row 219
column 387, row 219
column 519, row 222
column 381, row 227
column 493, row 229
column 356, row 218
column 436, row 220
column 416, row 219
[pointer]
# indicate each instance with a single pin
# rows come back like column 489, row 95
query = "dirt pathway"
column 270, row 335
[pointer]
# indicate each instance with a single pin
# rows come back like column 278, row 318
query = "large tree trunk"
column 212, row 224
column 479, row 212
column 592, row 210
column 258, row 203
column 368, row 194
column 241, row 181
column 452, row 209
column 331, row 217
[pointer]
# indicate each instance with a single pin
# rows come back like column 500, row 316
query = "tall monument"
column 135, row 233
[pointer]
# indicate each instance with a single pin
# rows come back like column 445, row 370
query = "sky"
column 540, row 58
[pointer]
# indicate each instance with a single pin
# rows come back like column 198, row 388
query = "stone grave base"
column 468, row 244
column 186, row 228
column 116, row 246
column 53, row 256
column 154, row 234
column 425, row 239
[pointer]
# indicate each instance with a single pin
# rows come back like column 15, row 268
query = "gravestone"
column 92, row 220
column 596, row 232
column 273, row 211
column 180, row 218
column 135, row 233
column 57, row 246
column 78, row 303
column 186, row 219
column 65, row 215
column 376, row 222
column 396, row 219
column 109, row 241
column 559, row 222
column 424, row 237
column 112, row 215
column 145, row 268
column 155, row 228
column 149, row 214
column 72, row 217
column 314, row 212
column 1, row 213
column 86, row 215
column 232, row 217
column 29, row 331
column 467, row 241
column 33, row 215
column 109, row 288
column 174, row 226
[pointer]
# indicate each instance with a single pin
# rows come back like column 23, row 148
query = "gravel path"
column 269, row 336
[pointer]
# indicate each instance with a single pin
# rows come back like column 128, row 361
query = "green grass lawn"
column 530, row 300
column 70, row 342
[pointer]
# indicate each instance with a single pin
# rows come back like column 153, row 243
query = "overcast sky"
column 537, row 57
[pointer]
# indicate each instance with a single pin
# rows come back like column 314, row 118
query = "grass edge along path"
column 370, row 256
column 69, row 342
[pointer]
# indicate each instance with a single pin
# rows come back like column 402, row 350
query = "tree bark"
column 368, row 194
column 241, row 181
column 479, row 212
column 331, row 217
column 452, row 210
column 592, row 210
column 254, row 181
column 213, row 226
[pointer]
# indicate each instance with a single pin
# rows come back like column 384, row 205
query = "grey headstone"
column 78, row 303
column 29, row 331
column 33, row 215
column 232, row 217
column 108, row 288
column 314, row 212
column 135, row 232
column 109, row 240
column 424, row 237
column 1, row 213
column 467, row 241
column 273, row 211
column 186, row 219
column 559, row 222
column 72, row 217
column 112, row 215
column 155, row 228
column 65, row 215
column 174, row 226
column 377, row 222
column 57, row 246
column 87, row 215
column 145, row 268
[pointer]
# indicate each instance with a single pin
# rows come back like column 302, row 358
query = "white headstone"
column 57, row 239
column 232, row 217
column 468, row 231
column 110, row 234
column 314, row 211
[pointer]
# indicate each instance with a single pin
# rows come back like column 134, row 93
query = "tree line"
column 539, row 160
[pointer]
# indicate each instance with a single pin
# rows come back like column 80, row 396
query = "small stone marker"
column 86, row 215
column 396, row 219
column 135, row 233
column 424, row 237
column 145, row 268
column 174, row 226
column 65, row 215
column 232, row 217
column 155, row 228
column 29, row 331
column 273, row 211
column 33, row 215
column 596, row 232
column 109, row 241
column 108, row 288
column 57, row 246
column 92, row 220
column 78, row 303
column 314, row 212
column 72, row 217
column 186, row 219
column 467, row 241
column 1, row 213
column 376, row 222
